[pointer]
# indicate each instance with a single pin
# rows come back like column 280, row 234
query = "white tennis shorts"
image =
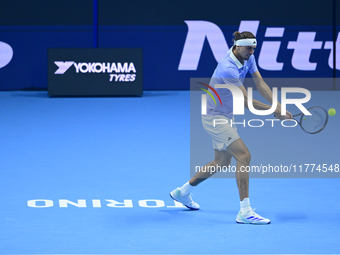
column 222, row 134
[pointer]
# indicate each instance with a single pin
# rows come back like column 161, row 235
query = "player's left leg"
column 222, row 159
column 222, row 136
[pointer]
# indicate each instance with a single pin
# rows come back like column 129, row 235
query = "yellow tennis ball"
column 331, row 112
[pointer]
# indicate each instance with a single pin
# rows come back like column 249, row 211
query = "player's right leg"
column 246, row 215
column 241, row 153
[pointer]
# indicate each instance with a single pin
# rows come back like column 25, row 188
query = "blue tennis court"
column 93, row 176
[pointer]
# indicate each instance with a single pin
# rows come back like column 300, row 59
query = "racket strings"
column 315, row 122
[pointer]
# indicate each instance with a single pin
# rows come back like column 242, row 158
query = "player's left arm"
column 266, row 92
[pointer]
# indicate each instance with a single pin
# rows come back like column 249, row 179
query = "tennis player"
column 232, row 69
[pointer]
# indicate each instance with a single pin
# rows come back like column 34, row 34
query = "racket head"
column 316, row 122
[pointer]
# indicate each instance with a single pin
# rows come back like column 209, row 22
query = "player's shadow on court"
column 39, row 94
column 158, row 94
column 291, row 217
column 202, row 211
column 177, row 210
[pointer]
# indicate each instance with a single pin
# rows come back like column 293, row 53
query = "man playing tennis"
column 232, row 69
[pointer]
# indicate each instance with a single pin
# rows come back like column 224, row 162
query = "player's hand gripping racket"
column 314, row 123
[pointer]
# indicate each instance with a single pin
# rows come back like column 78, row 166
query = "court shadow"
column 176, row 211
column 40, row 94
column 291, row 217
column 44, row 94
column 159, row 93
column 212, row 212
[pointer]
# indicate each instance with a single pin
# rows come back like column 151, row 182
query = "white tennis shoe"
column 251, row 217
column 185, row 200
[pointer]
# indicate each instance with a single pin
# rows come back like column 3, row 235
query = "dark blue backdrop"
column 162, row 40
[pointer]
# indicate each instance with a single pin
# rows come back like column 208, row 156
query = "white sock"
column 245, row 205
column 186, row 189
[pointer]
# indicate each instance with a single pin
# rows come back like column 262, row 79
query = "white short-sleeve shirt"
column 228, row 71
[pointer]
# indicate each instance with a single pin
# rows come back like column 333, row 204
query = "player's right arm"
column 265, row 91
column 257, row 104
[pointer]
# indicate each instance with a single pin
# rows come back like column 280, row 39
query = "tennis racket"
column 315, row 123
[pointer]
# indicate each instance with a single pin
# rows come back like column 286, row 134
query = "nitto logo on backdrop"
column 305, row 43
column 6, row 54
column 122, row 72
